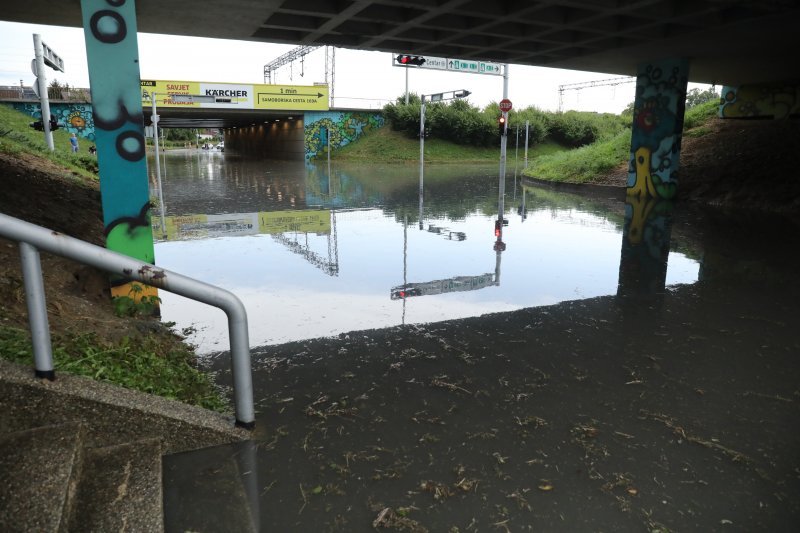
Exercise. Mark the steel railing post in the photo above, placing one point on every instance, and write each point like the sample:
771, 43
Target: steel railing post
37, 311
32, 238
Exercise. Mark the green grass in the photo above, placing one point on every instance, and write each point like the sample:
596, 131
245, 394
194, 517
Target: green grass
388, 146
154, 364
16, 136
700, 114
583, 164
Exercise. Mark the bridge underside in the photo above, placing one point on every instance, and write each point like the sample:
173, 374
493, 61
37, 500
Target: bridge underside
218, 118
726, 42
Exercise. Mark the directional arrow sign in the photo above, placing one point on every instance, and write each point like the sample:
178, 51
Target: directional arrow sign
318, 95
471, 66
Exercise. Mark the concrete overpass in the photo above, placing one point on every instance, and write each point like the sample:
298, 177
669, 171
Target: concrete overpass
726, 41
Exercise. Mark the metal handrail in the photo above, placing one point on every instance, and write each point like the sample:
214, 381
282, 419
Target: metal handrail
33, 238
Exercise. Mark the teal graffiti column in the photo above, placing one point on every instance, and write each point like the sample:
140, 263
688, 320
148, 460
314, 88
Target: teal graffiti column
652, 177
657, 127
112, 51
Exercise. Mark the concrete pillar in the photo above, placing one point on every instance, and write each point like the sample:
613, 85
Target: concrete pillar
652, 177
657, 127
113, 57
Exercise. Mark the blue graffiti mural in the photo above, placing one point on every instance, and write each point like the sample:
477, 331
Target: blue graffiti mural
343, 127
76, 117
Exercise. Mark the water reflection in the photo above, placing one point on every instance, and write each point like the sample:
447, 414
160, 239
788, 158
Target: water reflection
313, 251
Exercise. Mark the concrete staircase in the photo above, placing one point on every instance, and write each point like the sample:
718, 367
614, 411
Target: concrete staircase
54, 482
79, 455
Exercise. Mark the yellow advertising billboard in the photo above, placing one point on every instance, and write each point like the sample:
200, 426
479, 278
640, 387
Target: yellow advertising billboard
235, 95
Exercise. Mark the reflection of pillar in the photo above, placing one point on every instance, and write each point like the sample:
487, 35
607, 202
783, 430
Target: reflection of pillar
657, 127
645, 247
112, 53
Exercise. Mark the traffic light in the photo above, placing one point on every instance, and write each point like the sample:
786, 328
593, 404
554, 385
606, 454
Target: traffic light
407, 60
37, 125
53, 123
501, 125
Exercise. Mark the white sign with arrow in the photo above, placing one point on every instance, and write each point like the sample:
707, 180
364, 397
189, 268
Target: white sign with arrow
470, 66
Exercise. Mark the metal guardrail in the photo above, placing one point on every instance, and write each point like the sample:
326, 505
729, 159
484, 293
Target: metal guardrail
57, 94
33, 238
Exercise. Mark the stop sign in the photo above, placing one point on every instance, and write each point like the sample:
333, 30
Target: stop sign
505, 105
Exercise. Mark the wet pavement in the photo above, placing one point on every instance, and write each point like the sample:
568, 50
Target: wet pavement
666, 400
584, 416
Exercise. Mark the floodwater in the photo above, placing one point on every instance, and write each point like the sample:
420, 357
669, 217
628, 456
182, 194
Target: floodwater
593, 366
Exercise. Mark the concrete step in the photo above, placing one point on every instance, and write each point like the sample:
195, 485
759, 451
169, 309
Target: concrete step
39, 469
120, 489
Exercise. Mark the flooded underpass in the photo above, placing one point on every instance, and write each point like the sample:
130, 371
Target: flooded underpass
553, 383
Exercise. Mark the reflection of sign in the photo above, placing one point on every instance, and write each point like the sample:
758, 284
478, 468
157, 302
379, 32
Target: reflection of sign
456, 284
185, 227
177, 93
316, 221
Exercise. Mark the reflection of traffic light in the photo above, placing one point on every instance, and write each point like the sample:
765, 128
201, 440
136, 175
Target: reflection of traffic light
498, 227
406, 60
401, 293
501, 125
37, 125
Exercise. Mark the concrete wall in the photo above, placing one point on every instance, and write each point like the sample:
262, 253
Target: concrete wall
74, 117
275, 140
767, 100
343, 127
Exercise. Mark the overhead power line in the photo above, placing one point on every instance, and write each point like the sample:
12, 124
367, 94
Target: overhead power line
588, 84
292, 55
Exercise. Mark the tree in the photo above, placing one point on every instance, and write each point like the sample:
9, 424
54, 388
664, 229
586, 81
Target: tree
696, 97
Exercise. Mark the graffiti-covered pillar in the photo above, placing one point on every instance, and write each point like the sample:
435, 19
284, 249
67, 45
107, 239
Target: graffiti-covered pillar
652, 177
657, 126
109, 28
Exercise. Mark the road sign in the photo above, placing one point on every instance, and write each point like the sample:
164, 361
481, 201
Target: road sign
51, 59
505, 105
470, 66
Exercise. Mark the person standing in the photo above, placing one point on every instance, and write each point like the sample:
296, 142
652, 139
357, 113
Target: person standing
73, 141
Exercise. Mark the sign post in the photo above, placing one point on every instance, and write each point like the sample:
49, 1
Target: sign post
158, 168
44, 56
505, 107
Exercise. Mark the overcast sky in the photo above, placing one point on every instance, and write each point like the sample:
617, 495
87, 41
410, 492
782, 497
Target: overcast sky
362, 79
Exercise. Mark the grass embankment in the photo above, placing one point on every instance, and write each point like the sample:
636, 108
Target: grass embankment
394, 147
16, 136
587, 163
154, 363
133, 351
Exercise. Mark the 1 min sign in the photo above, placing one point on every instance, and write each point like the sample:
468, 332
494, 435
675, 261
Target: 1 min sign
505, 105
